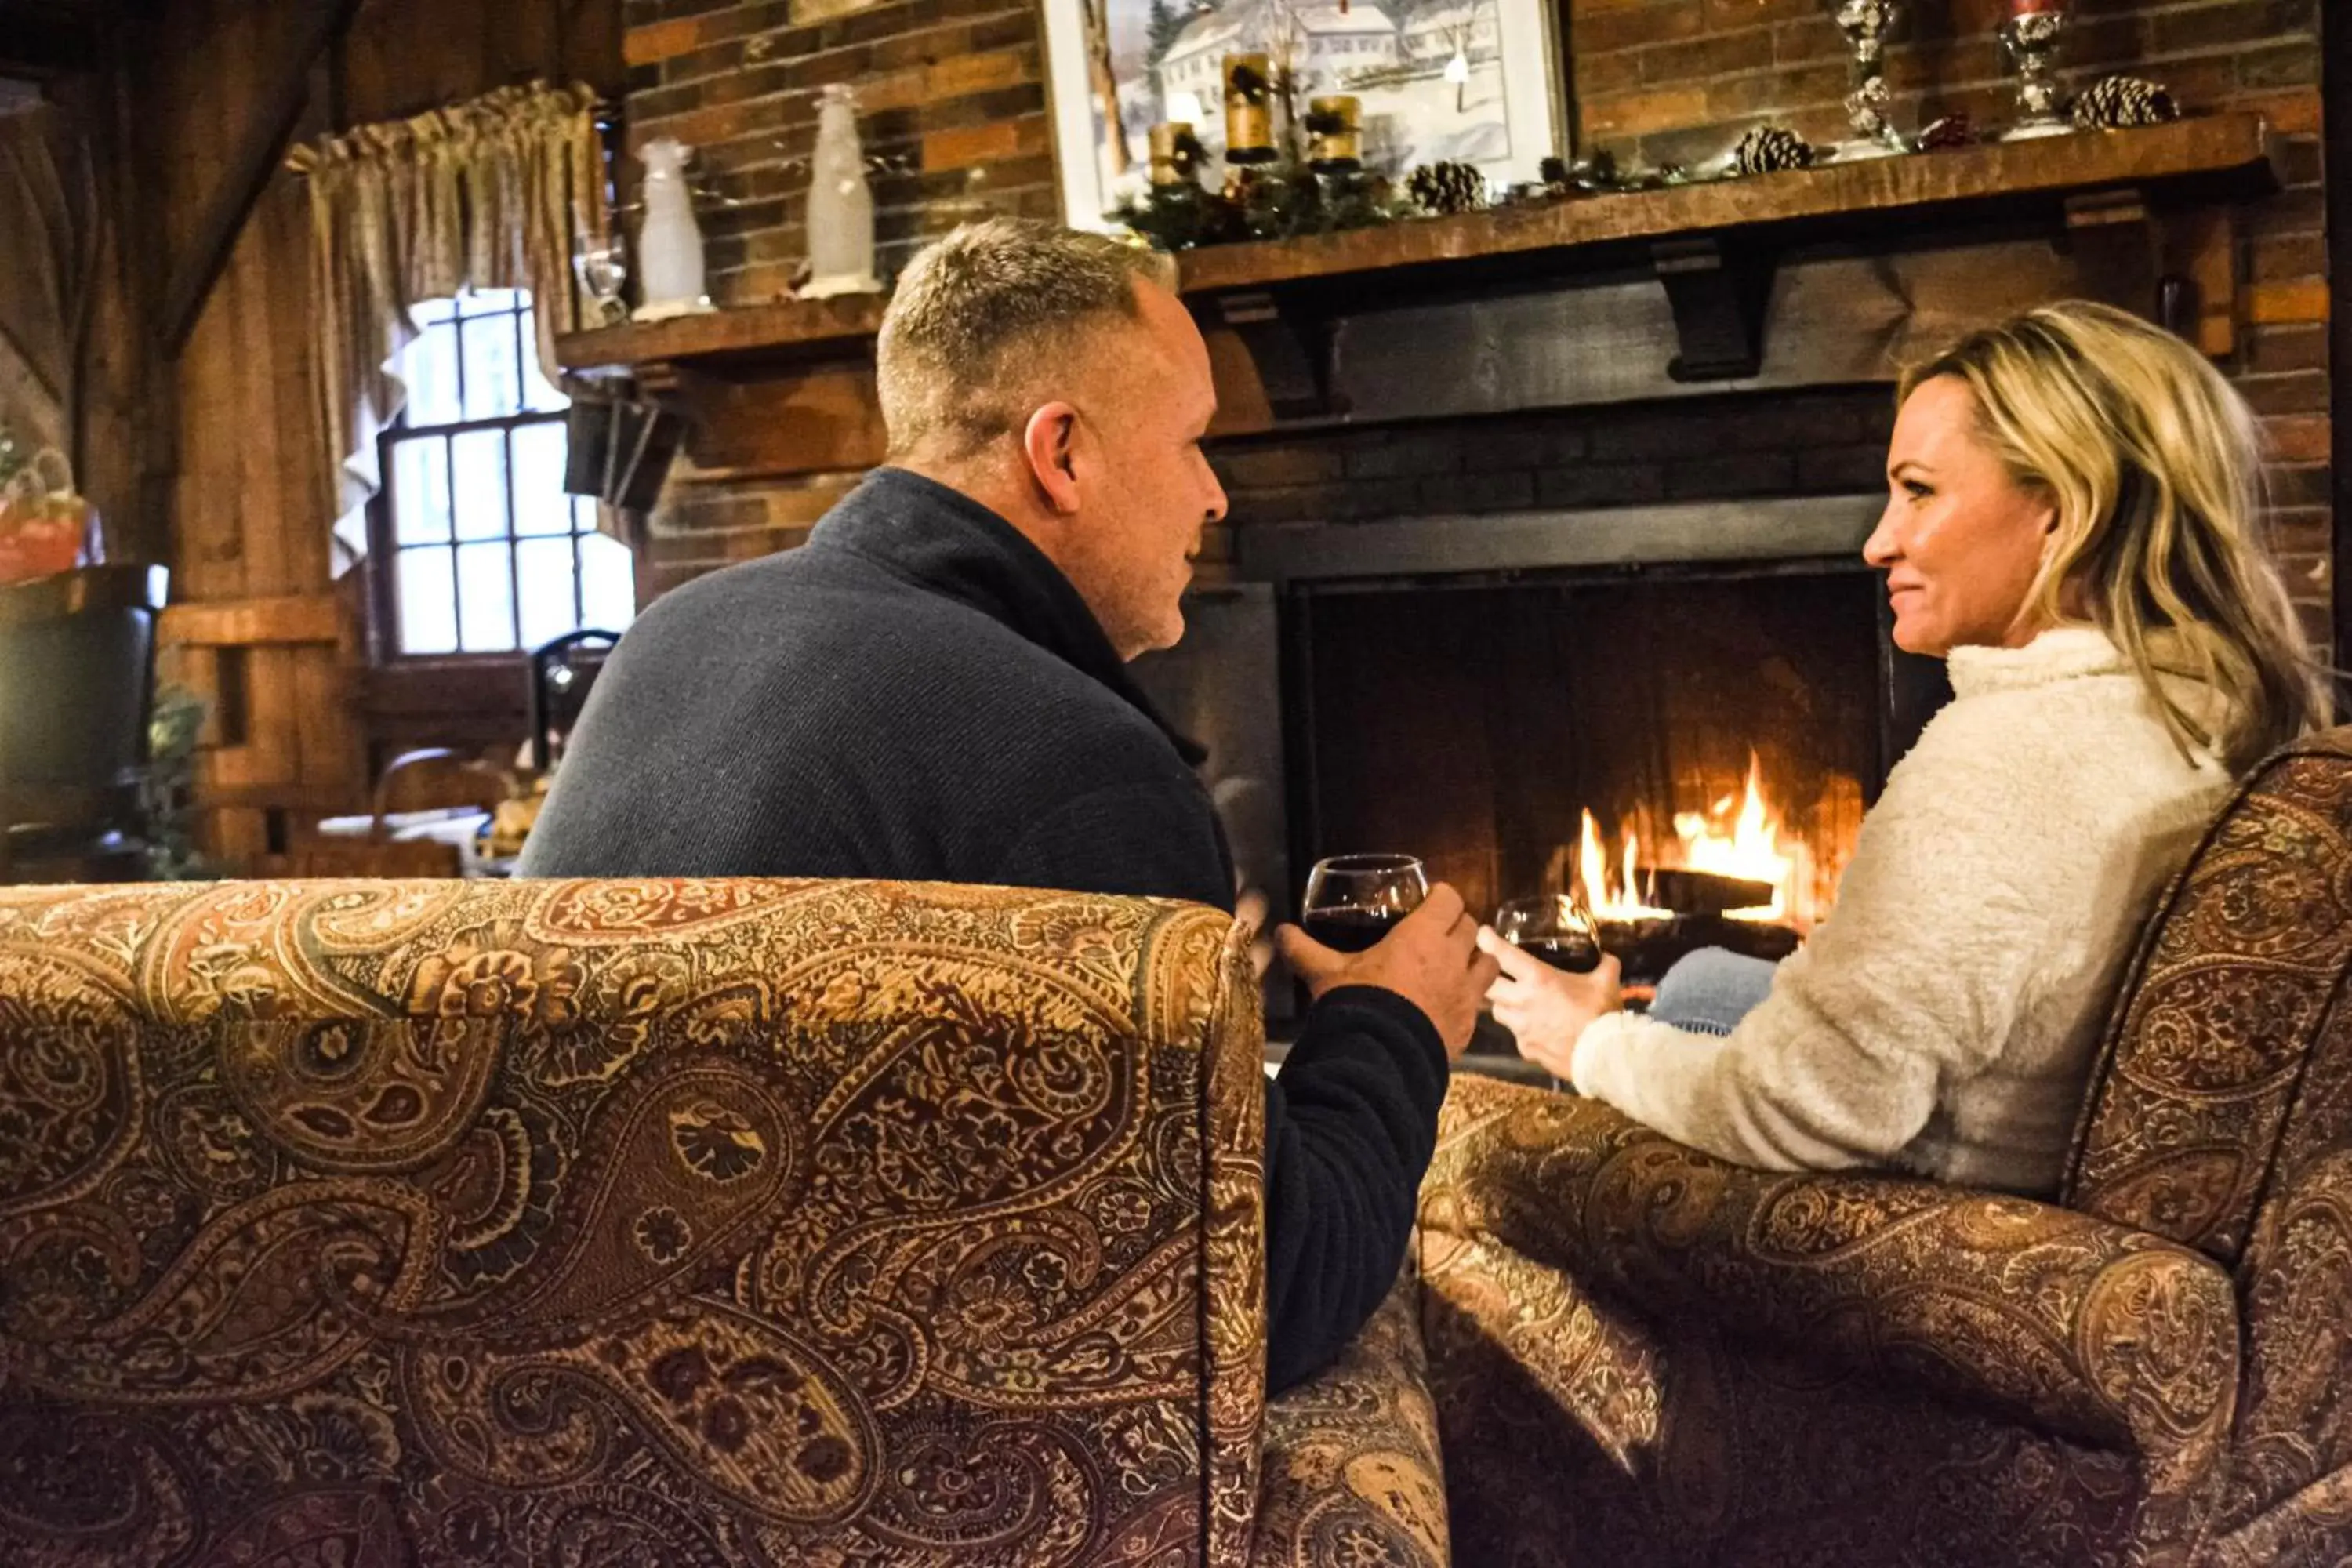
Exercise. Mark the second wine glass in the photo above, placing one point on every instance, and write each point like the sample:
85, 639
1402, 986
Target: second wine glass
1555, 928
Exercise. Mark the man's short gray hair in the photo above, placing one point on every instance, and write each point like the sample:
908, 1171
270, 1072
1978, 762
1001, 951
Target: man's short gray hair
980, 315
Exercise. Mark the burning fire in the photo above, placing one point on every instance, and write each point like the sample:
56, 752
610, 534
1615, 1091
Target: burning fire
1737, 836
1608, 899
1751, 850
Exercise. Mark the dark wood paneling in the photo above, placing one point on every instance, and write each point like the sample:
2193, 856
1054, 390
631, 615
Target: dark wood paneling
245, 487
404, 57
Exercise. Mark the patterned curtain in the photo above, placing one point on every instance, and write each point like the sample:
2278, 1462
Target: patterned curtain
488, 194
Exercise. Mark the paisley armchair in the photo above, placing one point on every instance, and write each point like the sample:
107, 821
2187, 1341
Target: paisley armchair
1642, 1355
633, 1223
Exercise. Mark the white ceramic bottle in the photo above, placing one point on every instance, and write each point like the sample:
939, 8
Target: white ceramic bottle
670, 245
840, 204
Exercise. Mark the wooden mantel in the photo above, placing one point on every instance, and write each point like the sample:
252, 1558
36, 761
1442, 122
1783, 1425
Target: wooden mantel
1684, 231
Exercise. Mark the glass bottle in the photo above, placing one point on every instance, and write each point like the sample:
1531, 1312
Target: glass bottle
669, 243
840, 203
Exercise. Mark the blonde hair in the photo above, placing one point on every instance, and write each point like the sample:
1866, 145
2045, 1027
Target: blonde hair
2154, 465
981, 317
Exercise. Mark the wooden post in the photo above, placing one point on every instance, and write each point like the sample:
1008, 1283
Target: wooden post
2336, 100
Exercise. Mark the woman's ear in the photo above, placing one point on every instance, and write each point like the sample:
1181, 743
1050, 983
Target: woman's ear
1046, 445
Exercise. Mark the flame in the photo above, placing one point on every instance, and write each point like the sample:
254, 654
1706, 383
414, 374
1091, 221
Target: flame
1737, 836
1607, 898
1751, 849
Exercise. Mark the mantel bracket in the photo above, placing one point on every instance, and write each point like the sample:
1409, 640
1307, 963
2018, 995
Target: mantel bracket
1718, 294
2114, 235
1289, 345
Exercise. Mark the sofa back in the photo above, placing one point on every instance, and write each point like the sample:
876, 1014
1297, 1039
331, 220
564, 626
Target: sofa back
2222, 1118
692, 1222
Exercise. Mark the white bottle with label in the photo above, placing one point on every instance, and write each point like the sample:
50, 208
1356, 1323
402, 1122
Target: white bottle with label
840, 204
669, 243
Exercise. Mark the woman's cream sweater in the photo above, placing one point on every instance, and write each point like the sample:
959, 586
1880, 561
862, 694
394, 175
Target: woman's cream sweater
1945, 1017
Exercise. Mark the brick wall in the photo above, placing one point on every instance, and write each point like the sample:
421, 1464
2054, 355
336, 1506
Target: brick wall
955, 86
952, 89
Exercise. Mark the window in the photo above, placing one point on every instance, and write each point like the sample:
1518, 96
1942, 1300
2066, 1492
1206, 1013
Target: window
479, 550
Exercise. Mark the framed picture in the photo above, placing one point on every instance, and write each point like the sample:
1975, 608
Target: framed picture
1473, 80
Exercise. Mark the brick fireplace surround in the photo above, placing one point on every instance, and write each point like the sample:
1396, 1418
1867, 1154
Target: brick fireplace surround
954, 87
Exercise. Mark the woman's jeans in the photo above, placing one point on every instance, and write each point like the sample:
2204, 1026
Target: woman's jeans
1709, 990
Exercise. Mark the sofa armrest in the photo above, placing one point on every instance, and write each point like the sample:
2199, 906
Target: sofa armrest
1233, 1245
2090, 1330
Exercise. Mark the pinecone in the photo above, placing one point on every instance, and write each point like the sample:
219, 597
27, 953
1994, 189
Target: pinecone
1768, 148
1951, 131
1444, 188
2116, 103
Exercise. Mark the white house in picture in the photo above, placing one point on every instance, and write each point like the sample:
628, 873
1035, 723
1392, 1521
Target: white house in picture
1339, 42
1434, 37
1329, 43
1195, 62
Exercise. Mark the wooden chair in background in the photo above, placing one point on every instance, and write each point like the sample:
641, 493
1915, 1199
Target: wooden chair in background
432, 779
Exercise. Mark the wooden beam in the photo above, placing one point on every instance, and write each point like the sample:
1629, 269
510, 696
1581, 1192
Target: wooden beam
255, 159
2335, 101
247, 623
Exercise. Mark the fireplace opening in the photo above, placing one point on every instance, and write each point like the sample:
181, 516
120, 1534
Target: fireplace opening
1528, 702
1547, 736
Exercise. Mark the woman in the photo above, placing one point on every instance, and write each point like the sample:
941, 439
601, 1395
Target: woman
2072, 523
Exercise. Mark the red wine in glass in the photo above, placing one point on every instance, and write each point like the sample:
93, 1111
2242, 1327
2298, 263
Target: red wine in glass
1554, 927
1351, 929
1354, 900
1578, 956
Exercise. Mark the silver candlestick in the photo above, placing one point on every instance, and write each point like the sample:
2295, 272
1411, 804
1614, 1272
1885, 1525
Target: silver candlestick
1867, 24
2031, 39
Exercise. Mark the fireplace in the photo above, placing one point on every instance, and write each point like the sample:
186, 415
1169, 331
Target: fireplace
1470, 688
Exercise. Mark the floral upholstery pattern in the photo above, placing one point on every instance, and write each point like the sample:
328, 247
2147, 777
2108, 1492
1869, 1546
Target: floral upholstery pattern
1354, 1478
1641, 1354
2226, 1003
730, 1222
1788, 1335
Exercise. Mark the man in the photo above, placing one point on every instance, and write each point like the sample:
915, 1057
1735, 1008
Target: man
934, 688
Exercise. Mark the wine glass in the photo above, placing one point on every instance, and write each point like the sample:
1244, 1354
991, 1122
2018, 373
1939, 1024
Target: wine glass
1554, 927
1353, 901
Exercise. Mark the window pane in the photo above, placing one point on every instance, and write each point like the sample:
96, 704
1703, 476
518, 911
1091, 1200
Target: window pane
540, 505
429, 366
420, 490
492, 390
540, 394
425, 312
428, 602
607, 583
489, 301
543, 572
481, 459
486, 597
583, 514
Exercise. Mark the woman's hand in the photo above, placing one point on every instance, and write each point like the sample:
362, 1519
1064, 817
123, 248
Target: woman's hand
1546, 1008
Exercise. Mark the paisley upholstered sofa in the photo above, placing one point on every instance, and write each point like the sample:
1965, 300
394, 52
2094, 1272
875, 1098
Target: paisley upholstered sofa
671, 1223
1641, 1355
744, 1222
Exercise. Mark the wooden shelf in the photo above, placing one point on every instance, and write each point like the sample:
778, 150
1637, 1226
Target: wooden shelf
793, 325
2214, 156
2226, 154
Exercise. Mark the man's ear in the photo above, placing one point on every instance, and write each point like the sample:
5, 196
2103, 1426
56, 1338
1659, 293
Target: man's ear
1048, 443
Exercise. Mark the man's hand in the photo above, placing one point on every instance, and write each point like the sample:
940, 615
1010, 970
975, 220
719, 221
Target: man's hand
1431, 959
1546, 1008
